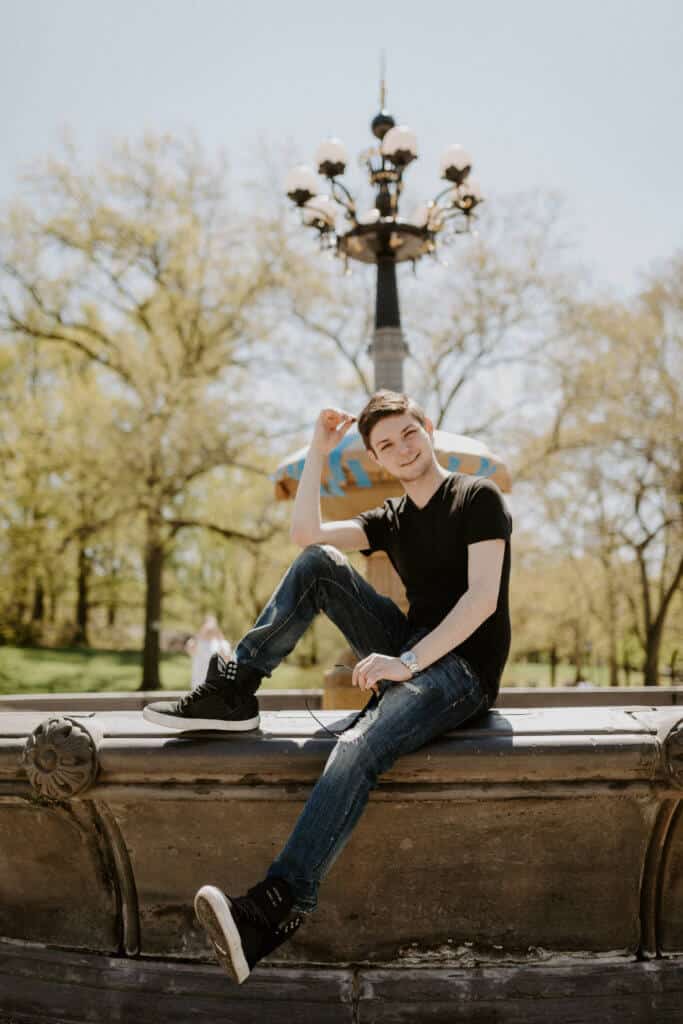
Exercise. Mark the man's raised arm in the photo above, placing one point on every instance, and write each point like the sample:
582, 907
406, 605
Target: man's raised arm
307, 527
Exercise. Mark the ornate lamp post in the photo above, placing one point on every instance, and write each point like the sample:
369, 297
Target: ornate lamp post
379, 234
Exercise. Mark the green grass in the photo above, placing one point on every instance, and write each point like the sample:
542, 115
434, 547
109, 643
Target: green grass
44, 670
526, 673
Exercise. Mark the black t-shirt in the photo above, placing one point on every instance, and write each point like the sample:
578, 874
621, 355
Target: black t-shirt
428, 548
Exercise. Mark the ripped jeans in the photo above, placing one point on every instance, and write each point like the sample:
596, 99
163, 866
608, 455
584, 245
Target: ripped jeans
402, 719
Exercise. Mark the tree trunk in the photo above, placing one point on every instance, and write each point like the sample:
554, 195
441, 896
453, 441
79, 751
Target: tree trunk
613, 668
52, 598
113, 593
82, 599
651, 666
578, 656
553, 665
154, 563
38, 612
613, 637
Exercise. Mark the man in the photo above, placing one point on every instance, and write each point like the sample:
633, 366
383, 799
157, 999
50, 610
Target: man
448, 537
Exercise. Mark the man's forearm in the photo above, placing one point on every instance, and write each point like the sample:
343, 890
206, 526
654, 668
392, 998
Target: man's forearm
463, 619
306, 518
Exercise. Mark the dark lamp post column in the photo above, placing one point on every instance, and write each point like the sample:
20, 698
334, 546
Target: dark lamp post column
388, 347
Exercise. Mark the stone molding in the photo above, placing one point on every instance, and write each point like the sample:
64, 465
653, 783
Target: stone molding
60, 757
673, 753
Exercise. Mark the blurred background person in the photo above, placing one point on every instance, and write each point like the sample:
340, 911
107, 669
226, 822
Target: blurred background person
208, 640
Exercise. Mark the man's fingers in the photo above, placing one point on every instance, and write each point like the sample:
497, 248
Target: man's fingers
361, 675
364, 683
333, 416
344, 423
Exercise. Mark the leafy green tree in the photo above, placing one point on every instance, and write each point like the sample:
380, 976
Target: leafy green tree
142, 268
610, 464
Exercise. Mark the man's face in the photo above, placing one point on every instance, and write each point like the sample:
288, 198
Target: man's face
402, 446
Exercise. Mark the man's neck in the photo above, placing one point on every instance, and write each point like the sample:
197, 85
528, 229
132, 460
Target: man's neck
423, 487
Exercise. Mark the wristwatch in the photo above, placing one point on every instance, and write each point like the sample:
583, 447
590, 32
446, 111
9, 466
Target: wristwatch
410, 661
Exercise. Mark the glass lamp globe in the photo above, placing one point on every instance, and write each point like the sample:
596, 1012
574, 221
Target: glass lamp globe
456, 163
421, 215
301, 184
331, 158
320, 211
399, 145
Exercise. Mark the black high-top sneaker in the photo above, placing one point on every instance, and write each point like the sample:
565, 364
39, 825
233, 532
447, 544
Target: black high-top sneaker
244, 929
224, 701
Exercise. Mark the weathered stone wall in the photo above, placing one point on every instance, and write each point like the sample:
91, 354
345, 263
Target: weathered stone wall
539, 847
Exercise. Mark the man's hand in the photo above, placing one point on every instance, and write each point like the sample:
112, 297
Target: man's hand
370, 670
330, 428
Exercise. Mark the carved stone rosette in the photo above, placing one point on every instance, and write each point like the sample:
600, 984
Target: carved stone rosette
60, 757
673, 752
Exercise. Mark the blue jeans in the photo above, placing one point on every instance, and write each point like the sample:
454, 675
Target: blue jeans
403, 718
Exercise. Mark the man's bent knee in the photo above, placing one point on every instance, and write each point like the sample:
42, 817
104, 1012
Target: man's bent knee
323, 553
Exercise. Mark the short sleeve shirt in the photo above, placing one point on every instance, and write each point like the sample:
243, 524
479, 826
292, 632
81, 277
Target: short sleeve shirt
428, 548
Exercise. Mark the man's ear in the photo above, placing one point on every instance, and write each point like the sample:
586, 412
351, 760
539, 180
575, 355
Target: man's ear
372, 455
429, 426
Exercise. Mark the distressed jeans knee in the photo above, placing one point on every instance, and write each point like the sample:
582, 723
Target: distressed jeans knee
322, 554
321, 578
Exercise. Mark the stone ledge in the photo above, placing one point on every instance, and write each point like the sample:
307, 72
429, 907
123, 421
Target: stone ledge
518, 746
49, 986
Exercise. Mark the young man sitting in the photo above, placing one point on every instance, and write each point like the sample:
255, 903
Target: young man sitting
430, 671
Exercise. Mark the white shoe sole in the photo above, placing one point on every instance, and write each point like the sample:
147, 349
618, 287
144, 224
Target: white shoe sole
212, 908
189, 724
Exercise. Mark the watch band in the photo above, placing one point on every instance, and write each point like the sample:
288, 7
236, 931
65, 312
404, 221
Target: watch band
409, 659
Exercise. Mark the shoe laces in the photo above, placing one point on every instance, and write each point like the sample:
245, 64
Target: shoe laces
204, 689
227, 677
290, 926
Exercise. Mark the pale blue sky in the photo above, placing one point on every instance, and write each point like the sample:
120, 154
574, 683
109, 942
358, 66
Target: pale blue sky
581, 97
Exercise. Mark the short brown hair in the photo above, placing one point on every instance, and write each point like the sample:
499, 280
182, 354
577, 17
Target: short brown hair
386, 403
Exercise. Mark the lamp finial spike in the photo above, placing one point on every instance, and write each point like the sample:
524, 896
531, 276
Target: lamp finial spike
382, 79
